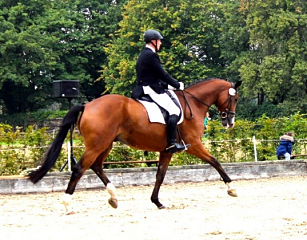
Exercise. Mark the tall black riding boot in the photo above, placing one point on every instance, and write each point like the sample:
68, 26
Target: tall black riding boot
172, 145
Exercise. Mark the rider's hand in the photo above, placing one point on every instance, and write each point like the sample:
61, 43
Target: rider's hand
169, 87
181, 86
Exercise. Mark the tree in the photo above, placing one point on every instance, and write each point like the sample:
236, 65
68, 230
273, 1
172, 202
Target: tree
83, 41
191, 47
25, 56
234, 38
276, 64
50, 40
98, 42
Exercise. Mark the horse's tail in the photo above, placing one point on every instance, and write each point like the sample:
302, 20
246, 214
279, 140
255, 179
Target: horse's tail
54, 151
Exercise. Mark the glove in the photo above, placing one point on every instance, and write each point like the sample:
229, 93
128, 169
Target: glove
169, 87
181, 87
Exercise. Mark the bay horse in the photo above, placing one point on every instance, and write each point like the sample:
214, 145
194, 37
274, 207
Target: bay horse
113, 117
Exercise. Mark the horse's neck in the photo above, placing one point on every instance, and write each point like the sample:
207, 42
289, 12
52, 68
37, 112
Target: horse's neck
207, 95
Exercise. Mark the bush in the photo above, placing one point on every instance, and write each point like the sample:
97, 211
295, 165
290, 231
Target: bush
23, 150
34, 118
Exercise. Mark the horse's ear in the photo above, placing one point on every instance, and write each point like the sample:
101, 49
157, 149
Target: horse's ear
238, 84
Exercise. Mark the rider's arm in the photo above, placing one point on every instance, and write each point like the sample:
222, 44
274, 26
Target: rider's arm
162, 74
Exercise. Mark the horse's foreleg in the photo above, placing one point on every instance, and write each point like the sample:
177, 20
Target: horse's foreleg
204, 155
231, 190
164, 160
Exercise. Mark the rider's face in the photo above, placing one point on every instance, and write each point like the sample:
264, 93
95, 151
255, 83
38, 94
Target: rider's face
159, 43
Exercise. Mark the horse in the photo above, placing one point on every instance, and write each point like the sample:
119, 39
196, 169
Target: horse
114, 117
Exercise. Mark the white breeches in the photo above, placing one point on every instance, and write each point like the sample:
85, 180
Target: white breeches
164, 101
287, 156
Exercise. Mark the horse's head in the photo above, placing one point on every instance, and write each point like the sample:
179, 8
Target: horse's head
226, 104
221, 93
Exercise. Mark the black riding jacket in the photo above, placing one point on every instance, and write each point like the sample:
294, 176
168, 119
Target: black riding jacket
150, 72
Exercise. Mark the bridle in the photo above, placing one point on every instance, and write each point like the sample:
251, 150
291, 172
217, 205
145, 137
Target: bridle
226, 116
188, 105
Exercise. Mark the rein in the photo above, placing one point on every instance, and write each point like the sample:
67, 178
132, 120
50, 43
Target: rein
222, 114
188, 105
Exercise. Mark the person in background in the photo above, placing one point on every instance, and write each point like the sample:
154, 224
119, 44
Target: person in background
207, 118
285, 146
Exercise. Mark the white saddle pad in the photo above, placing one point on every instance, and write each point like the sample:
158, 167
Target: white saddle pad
154, 112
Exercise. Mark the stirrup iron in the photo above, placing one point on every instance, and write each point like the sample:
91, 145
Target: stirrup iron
186, 146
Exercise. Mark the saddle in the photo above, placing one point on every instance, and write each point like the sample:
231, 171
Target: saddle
155, 112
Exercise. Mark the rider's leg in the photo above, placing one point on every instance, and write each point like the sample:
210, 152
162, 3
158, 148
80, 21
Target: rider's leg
167, 103
172, 145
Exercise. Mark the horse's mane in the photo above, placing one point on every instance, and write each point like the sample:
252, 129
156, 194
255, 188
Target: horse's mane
205, 80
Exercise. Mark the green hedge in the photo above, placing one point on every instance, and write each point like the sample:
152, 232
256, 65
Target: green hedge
20, 151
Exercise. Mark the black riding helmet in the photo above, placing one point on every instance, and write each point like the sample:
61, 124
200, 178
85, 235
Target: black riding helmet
150, 35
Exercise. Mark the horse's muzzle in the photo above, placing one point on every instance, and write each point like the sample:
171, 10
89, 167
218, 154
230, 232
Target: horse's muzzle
228, 119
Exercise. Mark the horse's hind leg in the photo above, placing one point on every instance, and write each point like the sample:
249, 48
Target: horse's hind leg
77, 172
109, 186
97, 168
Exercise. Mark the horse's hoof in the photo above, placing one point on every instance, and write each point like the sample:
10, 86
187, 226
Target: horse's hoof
113, 202
161, 207
70, 213
232, 192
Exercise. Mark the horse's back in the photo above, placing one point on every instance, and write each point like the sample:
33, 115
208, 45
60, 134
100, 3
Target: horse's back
106, 107
111, 110
119, 118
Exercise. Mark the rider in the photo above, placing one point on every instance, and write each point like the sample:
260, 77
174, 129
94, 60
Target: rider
152, 80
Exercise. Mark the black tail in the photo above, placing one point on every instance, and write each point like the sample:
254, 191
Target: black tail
54, 151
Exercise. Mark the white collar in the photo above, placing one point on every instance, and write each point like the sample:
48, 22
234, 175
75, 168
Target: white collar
150, 47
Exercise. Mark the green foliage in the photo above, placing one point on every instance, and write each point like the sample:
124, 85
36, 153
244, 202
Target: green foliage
20, 151
190, 50
48, 40
121, 153
26, 119
236, 145
26, 56
262, 43
275, 66
250, 110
